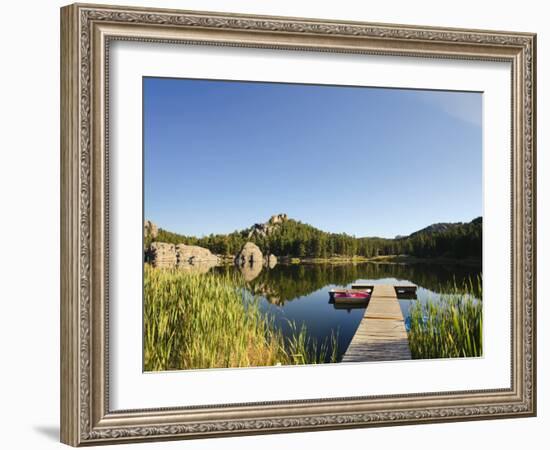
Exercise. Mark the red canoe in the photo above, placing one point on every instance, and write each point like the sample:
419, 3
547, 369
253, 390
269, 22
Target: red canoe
351, 296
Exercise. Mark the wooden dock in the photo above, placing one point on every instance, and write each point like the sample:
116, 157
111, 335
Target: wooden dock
381, 335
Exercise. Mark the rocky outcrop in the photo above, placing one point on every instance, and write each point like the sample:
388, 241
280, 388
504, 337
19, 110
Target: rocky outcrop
150, 229
193, 254
278, 218
249, 254
186, 257
258, 229
264, 229
162, 255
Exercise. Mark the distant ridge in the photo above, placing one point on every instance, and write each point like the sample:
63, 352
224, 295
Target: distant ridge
283, 236
442, 227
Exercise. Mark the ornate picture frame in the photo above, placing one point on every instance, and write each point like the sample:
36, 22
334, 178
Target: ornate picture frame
87, 32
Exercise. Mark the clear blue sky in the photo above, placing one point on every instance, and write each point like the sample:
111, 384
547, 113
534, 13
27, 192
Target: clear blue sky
222, 155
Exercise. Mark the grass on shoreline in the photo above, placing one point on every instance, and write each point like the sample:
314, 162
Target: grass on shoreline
450, 328
391, 259
197, 321
388, 259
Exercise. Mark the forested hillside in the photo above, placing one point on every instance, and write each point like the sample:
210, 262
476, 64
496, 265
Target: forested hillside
289, 237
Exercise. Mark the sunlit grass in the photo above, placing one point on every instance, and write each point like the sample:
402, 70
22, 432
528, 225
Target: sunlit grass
195, 321
449, 328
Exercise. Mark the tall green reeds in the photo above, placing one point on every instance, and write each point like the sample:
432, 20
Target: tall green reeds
196, 321
305, 350
449, 328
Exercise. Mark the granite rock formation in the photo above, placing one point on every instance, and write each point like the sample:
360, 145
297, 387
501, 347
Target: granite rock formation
150, 229
162, 255
264, 229
193, 254
249, 254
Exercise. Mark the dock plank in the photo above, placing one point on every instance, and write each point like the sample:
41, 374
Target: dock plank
381, 335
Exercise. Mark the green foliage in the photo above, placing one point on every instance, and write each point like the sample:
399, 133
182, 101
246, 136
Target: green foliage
147, 241
194, 321
302, 348
458, 240
296, 239
286, 282
220, 244
449, 328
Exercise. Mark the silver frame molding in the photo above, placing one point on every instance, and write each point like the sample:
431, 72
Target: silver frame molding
86, 32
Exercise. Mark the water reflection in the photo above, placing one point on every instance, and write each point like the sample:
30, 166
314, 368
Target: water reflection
287, 282
250, 270
348, 306
201, 266
301, 293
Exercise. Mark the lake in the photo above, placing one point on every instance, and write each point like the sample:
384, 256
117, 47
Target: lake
300, 292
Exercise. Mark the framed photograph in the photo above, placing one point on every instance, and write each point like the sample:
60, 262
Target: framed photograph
275, 224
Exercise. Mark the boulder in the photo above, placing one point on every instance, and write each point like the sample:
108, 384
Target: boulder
161, 254
194, 255
150, 229
249, 254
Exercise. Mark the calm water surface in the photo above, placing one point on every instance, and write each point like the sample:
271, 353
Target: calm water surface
300, 293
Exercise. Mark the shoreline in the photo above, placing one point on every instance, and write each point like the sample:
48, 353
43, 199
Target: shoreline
385, 259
